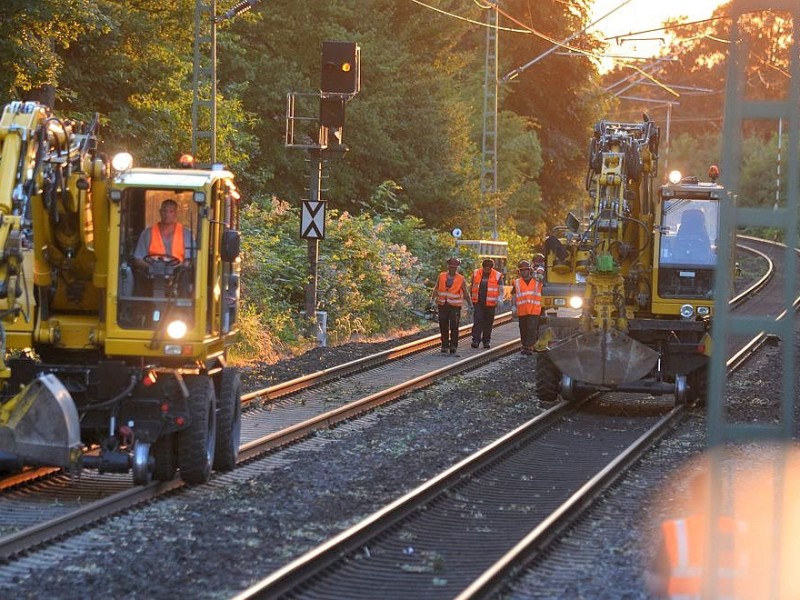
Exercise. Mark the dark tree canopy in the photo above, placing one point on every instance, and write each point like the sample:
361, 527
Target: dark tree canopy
416, 126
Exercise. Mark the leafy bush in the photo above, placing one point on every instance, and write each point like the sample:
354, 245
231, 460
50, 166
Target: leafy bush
374, 277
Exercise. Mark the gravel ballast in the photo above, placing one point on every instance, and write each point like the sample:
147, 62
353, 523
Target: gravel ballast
216, 540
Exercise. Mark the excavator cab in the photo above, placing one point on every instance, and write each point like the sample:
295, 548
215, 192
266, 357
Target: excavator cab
183, 305
686, 240
150, 279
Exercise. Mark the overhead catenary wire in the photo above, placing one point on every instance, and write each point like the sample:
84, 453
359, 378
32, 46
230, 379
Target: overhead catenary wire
468, 20
527, 29
514, 73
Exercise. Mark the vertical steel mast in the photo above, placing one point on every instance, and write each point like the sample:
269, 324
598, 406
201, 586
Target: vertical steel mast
489, 145
739, 109
204, 82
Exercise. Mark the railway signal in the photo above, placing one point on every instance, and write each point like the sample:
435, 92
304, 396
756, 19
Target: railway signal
340, 81
331, 113
341, 68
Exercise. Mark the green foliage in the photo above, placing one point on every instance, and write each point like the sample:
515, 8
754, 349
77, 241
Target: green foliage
417, 122
692, 155
414, 133
519, 248
760, 172
33, 38
374, 275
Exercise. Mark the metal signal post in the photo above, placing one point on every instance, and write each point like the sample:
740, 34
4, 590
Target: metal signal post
322, 136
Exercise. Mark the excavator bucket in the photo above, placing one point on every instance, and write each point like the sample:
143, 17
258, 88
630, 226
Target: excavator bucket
603, 357
39, 426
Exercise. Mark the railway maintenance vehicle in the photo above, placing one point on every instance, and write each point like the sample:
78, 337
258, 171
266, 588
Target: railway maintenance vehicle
105, 364
637, 274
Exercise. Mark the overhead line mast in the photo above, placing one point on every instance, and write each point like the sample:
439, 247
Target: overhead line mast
204, 79
489, 144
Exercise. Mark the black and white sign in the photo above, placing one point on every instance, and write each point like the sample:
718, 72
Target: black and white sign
312, 220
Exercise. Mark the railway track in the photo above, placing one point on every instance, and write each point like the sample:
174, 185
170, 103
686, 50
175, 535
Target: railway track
327, 403
453, 537
436, 540
45, 504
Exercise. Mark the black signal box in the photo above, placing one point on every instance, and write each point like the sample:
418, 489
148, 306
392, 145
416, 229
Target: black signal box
341, 68
331, 112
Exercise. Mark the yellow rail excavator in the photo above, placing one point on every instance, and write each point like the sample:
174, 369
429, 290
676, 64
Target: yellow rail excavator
110, 360
628, 294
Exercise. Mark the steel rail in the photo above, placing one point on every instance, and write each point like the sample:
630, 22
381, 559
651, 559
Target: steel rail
30, 537
282, 389
565, 515
368, 403
317, 559
306, 566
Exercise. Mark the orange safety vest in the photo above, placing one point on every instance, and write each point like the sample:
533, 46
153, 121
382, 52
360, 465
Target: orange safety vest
157, 242
452, 295
492, 288
528, 297
685, 542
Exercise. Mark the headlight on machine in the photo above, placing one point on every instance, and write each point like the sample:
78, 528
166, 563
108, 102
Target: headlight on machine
122, 161
687, 311
576, 302
176, 329
703, 311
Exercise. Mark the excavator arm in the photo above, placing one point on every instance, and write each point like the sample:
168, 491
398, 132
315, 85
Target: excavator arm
621, 166
48, 174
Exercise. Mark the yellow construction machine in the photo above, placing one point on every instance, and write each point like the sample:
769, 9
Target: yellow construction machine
110, 362
628, 294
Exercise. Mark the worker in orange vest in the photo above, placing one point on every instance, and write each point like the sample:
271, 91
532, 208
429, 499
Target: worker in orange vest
166, 241
680, 568
487, 289
526, 295
450, 295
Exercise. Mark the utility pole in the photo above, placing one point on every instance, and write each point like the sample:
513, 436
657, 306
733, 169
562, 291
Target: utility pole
489, 145
204, 75
204, 82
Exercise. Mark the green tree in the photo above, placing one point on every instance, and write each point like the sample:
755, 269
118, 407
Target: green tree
559, 94
697, 71
33, 38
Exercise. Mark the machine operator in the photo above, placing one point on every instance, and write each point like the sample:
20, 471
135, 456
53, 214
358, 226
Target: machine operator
164, 240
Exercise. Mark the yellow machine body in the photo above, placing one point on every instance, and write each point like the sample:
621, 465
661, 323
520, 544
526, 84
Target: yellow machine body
628, 294
102, 350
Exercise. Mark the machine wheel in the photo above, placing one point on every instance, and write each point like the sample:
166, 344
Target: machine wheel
142, 475
681, 390
165, 453
567, 388
196, 443
229, 419
547, 379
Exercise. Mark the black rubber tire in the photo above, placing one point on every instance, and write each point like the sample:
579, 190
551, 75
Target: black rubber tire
196, 443
229, 419
165, 454
547, 379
